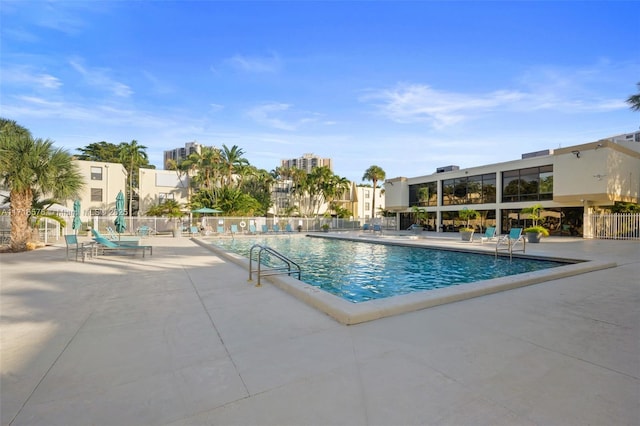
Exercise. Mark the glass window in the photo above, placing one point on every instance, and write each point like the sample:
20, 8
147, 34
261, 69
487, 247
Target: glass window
530, 184
96, 194
96, 173
424, 194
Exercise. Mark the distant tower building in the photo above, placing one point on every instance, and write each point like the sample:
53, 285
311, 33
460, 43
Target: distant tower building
180, 154
308, 162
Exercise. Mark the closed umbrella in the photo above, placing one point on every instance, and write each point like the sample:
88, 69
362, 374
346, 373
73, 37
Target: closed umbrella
75, 225
120, 223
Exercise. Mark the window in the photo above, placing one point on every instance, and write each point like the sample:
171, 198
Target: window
367, 207
96, 173
96, 194
531, 184
367, 194
424, 194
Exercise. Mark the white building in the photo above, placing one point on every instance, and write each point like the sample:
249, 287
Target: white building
567, 182
307, 162
179, 154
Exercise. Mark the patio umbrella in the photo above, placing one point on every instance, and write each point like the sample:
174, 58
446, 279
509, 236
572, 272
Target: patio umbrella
75, 225
120, 223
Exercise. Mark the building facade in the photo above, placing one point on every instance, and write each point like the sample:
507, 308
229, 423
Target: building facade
307, 162
567, 182
180, 154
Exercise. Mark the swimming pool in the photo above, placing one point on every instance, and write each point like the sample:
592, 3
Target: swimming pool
363, 271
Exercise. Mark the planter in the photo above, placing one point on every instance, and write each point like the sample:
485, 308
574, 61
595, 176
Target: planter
466, 235
177, 233
534, 237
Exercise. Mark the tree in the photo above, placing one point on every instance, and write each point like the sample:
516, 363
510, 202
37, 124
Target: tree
634, 100
132, 157
231, 162
374, 174
100, 151
30, 167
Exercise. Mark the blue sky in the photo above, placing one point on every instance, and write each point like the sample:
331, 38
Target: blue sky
407, 86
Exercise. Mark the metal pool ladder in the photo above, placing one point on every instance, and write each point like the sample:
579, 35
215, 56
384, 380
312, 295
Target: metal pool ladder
286, 268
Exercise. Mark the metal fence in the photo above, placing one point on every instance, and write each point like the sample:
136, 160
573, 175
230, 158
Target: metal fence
620, 226
227, 224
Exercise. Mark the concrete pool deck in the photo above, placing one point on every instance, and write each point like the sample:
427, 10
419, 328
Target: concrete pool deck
181, 338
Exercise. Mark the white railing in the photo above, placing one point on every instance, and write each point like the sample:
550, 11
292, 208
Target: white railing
619, 226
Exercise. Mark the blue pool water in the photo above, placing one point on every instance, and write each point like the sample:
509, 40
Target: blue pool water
358, 271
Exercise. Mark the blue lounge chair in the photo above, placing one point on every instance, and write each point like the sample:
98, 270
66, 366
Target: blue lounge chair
234, 229
252, 229
489, 235
220, 229
194, 230
276, 228
144, 231
288, 228
265, 229
377, 228
106, 245
121, 240
511, 240
366, 227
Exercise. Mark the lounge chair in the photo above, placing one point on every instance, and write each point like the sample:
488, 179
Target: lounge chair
144, 231
366, 227
510, 240
81, 249
194, 230
377, 228
265, 229
252, 229
106, 245
489, 235
288, 228
234, 229
276, 228
131, 241
220, 229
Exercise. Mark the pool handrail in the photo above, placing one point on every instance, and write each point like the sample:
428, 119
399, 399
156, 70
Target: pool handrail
285, 269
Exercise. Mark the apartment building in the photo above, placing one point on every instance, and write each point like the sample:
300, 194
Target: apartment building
307, 162
179, 154
567, 182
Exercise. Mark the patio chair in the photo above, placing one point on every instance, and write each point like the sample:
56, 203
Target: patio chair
107, 245
81, 249
194, 230
144, 231
288, 228
489, 235
366, 227
220, 229
265, 229
252, 229
276, 227
377, 228
510, 240
121, 240
234, 229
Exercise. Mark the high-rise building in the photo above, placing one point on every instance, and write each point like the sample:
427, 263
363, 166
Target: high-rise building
307, 162
180, 154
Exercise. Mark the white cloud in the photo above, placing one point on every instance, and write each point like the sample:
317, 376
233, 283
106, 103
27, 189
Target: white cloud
256, 64
420, 103
272, 115
25, 76
99, 78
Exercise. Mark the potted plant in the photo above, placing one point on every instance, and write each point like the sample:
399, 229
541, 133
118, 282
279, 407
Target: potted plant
325, 227
534, 232
419, 216
466, 232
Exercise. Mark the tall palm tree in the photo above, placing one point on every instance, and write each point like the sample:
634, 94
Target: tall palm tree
634, 100
374, 174
132, 156
30, 167
232, 161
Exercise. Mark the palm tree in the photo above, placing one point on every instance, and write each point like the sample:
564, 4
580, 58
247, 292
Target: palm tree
374, 174
634, 100
30, 167
132, 156
231, 161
